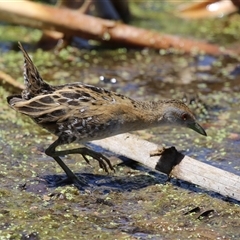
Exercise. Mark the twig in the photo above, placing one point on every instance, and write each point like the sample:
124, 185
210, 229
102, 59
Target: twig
9, 80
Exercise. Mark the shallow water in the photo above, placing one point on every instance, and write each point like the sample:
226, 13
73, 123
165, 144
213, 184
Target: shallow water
134, 202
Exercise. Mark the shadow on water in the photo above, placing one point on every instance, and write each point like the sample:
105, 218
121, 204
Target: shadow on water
104, 184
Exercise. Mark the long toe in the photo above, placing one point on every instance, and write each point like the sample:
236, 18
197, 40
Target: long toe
104, 162
100, 160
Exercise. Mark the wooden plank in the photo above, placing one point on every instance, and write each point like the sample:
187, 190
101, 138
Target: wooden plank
209, 177
189, 169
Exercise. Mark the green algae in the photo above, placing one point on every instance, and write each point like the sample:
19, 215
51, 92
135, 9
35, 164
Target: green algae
12, 33
29, 206
223, 30
129, 204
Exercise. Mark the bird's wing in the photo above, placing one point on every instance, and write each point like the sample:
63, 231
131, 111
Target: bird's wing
67, 102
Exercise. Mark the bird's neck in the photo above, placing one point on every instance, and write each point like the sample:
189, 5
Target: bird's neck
143, 115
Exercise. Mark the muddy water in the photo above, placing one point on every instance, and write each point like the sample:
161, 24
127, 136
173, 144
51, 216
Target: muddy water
134, 202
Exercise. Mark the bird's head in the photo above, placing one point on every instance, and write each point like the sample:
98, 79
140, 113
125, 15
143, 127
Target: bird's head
177, 113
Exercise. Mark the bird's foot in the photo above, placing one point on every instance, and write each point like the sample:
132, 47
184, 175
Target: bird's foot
158, 152
79, 182
103, 161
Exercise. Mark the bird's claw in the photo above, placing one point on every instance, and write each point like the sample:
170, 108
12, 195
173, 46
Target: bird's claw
104, 162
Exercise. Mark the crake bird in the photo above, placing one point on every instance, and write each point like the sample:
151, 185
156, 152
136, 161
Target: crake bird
77, 112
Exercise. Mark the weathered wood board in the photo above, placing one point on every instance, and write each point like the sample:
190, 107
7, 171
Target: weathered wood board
189, 169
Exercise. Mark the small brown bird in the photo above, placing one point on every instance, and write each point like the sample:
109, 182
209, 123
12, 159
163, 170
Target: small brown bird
78, 112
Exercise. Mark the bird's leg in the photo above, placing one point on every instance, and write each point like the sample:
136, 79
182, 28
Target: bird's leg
51, 151
88, 152
78, 182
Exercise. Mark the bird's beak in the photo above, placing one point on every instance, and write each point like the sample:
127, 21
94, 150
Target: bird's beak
196, 127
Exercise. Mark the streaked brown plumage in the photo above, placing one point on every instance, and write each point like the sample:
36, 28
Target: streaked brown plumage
80, 113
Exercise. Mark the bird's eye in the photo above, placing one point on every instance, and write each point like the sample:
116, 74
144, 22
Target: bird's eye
184, 116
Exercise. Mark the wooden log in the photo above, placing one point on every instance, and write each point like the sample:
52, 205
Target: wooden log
74, 23
188, 169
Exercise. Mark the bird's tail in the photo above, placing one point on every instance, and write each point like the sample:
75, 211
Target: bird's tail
34, 84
